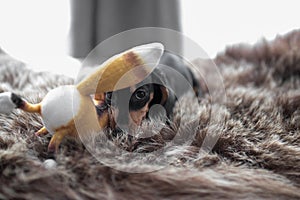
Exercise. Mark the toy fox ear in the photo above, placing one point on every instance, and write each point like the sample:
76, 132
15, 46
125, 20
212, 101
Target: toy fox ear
137, 63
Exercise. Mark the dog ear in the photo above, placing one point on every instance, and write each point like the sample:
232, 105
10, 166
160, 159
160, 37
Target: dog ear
123, 70
164, 94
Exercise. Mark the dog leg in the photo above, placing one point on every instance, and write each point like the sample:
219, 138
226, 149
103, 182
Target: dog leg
43, 131
56, 140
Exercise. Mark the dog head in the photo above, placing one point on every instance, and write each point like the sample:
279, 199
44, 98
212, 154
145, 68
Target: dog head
130, 106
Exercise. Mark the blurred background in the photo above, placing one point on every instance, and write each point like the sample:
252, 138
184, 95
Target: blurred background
38, 32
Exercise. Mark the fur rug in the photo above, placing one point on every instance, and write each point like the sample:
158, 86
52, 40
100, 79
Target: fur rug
257, 155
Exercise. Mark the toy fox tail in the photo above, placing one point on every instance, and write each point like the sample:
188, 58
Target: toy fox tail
10, 101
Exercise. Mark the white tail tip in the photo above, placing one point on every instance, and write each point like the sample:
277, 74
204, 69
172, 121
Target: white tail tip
149, 53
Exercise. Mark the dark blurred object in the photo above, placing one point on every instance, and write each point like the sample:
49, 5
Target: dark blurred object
93, 21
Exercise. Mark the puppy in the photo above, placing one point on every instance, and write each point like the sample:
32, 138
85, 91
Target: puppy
130, 106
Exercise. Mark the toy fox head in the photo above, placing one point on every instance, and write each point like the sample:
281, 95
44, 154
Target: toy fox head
65, 105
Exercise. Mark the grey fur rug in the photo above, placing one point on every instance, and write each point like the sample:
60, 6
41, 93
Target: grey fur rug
256, 157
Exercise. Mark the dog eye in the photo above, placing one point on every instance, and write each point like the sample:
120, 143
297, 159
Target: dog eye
139, 98
140, 94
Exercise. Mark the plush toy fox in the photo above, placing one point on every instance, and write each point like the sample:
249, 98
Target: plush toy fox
69, 110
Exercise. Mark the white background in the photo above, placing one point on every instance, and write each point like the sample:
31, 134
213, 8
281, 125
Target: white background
36, 31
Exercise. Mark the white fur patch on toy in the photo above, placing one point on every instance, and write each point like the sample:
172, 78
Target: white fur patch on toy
60, 106
6, 104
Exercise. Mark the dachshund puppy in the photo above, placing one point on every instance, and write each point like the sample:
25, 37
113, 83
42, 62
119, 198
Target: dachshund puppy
130, 106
